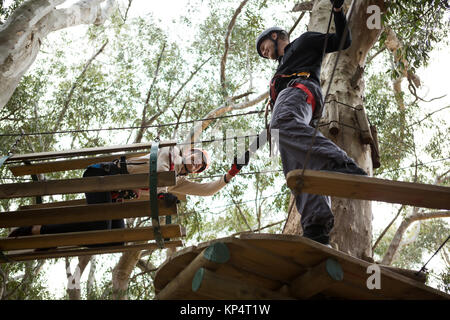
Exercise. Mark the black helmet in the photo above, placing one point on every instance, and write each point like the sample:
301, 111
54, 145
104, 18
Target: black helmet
266, 35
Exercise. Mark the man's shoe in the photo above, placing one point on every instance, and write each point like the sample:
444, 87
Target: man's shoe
317, 233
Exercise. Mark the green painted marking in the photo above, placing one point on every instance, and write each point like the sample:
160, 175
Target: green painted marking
217, 252
334, 270
197, 280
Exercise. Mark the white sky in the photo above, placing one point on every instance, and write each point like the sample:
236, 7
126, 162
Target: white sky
434, 78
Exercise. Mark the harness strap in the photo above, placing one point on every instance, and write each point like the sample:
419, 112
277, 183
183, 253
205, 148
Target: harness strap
310, 99
273, 91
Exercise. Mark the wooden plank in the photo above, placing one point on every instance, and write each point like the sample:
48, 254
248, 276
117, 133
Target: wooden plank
88, 184
86, 151
368, 188
82, 213
79, 202
63, 165
262, 262
88, 237
76, 252
68, 203
210, 284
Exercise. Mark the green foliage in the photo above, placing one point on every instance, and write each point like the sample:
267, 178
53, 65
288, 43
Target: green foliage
420, 25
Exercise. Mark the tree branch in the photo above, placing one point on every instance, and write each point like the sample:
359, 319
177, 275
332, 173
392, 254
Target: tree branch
74, 86
241, 214
387, 228
395, 243
296, 23
147, 100
227, 46
259, 229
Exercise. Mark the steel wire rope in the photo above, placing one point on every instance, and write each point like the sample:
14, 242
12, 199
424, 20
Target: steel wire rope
341, 45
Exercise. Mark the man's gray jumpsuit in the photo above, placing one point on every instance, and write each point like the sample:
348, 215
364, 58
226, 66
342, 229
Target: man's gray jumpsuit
292, 115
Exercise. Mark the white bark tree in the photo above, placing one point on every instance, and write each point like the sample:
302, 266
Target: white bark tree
25, 30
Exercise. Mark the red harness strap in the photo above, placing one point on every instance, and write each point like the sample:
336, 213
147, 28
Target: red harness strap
310, 99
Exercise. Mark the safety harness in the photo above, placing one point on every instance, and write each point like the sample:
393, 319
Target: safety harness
274, 95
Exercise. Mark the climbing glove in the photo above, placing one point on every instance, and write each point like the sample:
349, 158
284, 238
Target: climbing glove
337, 3
239, 163
169, 199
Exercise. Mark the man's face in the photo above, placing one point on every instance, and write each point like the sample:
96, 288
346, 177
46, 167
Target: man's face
267, 47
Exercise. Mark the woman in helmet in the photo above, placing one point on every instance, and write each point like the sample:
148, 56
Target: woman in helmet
183, 162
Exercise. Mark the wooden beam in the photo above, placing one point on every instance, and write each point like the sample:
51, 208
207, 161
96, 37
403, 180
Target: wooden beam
88, 184
211, 257
68, 203
82, 213
76, 252
63, 165
86, 151
415, 275
79, 202
369, 188
88, 237
317, 279
209, 284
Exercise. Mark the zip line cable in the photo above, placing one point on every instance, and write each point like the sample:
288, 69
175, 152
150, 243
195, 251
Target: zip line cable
442, 245
128, 128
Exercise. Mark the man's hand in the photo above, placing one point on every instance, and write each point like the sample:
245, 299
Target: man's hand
169, 199
337, 3
239, 163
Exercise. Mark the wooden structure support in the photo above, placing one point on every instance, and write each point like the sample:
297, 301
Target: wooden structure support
211, 258
369, 188
82, 213
76, 252
89, 237
317, 279
268, 266
215, 286
80, 185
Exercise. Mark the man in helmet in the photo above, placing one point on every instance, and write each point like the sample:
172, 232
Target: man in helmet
297, 101
183, 162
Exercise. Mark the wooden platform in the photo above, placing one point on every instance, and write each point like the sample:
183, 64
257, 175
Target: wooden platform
76, 211
369, 188
267, 266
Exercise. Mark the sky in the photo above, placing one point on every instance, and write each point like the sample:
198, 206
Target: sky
434, 79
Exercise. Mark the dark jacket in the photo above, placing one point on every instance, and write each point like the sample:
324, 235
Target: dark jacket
305, 54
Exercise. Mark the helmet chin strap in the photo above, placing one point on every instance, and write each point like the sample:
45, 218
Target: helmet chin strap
275, 42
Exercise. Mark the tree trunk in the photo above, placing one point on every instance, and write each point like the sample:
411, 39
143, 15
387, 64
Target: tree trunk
22, 34
352, 230
122, 272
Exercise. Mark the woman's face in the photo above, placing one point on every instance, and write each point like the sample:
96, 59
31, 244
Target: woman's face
193, 161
